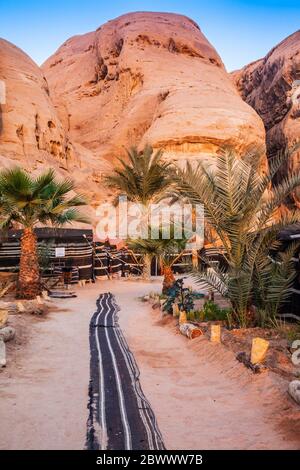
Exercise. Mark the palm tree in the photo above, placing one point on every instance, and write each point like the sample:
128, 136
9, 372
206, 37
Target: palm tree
27, 201
145, 179
164, 249
241, 207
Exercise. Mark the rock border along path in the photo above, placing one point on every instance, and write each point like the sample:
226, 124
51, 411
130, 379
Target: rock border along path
120, 417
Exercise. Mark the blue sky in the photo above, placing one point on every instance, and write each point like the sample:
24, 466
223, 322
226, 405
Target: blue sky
241, 31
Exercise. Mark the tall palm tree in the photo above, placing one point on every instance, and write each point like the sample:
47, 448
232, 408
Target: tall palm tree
144, 177
241, 207
27, 201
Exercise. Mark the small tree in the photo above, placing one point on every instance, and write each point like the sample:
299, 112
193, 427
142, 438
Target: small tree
144, 177
164, 249
28, 201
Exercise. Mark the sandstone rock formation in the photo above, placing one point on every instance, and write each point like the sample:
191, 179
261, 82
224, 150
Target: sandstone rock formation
142, 78
31, 134
148, 78
272, 87
30, 128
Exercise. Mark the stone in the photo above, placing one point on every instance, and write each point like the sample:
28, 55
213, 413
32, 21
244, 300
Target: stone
45, 295
175, 310
182, 317
271, 86
294, 390
259, 350
7, 333
20, 307
215, 333
2, 353
3, 317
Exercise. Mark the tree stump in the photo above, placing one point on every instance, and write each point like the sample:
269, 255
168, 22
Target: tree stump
190, 330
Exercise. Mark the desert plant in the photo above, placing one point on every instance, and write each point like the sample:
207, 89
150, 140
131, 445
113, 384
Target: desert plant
44, 255
241, 206
27, 201
273, 280
211, 312
180, 295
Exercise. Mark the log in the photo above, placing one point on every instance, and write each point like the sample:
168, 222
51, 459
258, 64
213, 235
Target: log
190, 330
215, 333
294, 390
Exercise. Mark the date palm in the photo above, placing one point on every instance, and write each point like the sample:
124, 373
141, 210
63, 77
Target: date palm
28, 201
241, 207
144, 178
166, 251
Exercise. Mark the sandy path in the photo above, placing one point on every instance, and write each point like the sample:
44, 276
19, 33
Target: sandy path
201, 396
43, 400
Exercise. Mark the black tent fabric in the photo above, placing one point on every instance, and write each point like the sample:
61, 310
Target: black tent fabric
288, 235
77, 246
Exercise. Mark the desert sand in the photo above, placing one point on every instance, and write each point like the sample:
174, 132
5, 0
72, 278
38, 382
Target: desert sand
202, 397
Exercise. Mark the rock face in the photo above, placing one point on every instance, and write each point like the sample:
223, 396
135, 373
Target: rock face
30, 129
31, 133
272, 87
142, 78
148, 78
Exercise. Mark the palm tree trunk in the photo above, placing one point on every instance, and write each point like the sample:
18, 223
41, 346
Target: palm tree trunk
29, 275
169, 279
147, 266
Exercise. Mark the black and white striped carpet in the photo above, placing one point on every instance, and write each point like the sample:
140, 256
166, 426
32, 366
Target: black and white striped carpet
120, 417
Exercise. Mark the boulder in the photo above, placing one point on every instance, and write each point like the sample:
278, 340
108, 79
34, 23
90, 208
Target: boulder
2, 353
294, 390
3, 317
7, 333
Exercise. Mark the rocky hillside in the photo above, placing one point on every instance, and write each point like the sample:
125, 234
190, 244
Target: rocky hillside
31, 133
148, 77
272, 87
30, 129
141, 78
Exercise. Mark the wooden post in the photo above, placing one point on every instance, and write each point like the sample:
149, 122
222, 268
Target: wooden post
215, 333
259, 350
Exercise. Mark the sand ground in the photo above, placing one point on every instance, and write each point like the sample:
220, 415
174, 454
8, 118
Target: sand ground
202, 397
